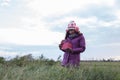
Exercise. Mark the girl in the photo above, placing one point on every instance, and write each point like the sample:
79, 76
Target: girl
72, 45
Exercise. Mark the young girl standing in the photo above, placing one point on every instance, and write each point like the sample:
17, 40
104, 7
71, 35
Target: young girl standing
72, 46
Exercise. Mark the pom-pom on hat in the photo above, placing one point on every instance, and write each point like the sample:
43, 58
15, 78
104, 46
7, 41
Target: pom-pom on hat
72, 25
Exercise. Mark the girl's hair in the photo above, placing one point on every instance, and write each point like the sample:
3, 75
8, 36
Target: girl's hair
67, 34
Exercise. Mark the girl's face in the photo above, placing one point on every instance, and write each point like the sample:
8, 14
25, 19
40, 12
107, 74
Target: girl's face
71, 31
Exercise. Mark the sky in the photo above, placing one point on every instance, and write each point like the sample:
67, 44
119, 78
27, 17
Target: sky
37, 26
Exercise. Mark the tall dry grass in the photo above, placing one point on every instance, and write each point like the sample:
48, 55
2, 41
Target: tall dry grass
44, 69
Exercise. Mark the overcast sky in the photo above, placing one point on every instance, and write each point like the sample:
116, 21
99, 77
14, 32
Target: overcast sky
38, 26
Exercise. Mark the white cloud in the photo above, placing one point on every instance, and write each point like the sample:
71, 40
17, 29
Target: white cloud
90, 22
5, 54
78, 20
4, 48
32, 30
5, 2
57, 7
30, 37
113, 45
117, 13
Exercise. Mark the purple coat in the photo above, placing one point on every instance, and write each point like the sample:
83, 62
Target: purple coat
78, 46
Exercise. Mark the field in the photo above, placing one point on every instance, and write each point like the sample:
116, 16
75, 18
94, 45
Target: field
44, 69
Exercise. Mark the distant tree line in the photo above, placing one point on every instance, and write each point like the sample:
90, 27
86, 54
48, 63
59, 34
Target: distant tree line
103, 60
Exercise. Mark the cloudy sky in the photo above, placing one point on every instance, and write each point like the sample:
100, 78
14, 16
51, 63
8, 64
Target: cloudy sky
37, 27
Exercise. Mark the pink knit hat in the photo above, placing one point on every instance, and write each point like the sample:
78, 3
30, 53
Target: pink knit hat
72, 25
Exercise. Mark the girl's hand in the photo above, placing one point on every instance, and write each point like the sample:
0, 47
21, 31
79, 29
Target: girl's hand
60, 45
69, 50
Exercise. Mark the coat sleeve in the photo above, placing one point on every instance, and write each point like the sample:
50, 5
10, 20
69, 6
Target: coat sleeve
82, 45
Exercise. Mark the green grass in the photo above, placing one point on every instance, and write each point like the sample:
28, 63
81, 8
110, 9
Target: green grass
47, 70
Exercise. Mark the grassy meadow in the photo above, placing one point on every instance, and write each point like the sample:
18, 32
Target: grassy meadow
26, 68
